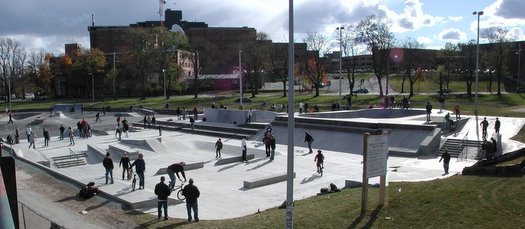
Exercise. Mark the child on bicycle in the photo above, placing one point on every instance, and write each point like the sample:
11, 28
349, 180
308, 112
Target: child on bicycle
319, 159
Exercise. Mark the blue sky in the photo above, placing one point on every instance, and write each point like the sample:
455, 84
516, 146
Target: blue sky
49, 24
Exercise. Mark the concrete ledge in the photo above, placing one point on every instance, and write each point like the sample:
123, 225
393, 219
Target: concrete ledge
230, 160
100, 152
191, 166
266, 180
132, 154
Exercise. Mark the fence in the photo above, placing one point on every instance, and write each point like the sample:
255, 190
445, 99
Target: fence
30, 219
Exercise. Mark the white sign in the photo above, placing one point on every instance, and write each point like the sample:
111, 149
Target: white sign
376, 155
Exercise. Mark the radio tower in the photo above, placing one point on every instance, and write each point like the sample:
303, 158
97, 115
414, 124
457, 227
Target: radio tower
161, 12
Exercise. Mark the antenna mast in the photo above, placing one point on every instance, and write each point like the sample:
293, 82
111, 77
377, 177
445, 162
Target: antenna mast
161, 12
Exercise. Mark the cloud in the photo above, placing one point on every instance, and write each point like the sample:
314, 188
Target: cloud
452, 34
412, 18
424, 40
455, 18
511, 9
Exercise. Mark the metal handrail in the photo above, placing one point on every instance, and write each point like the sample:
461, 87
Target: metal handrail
461, 145
71, 152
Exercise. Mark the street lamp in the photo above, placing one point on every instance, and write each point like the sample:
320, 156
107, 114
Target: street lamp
92, 86
240, 77
164, 81
519, 64
478, 13
340, 61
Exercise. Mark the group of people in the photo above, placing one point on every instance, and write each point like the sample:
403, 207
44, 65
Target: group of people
162, 190
485, 124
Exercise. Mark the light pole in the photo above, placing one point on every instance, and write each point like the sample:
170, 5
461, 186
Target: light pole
519, 64
340, 61
478, 13
240, 78
164, 81
92, 86
291, 121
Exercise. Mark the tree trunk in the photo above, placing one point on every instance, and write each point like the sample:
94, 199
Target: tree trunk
284, 88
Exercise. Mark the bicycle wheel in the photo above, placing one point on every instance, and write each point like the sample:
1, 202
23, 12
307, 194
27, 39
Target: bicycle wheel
180, 196
133, 184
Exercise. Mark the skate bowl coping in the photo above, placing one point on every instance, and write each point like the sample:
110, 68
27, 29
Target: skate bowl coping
265, 180
378, 113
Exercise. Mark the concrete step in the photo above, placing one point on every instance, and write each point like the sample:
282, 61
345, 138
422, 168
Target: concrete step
216, 133
69, 163
68, 157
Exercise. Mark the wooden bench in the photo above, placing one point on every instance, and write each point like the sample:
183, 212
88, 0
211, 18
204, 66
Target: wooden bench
190, 166
266, 180
230, 160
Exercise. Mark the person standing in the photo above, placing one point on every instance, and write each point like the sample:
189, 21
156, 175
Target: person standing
184, 112
118, 121
108, 165
32, 139
71, 136
319, 160
446, 159
97, 117
124, 162
308, 139
46, 137
176, 169
429, 111
62, 129
28, 132
441, 103
497, 125
249, 119
191, 192
195, 113
10, 118
162, 191
272, 145
484, 125
192, 123
457, 111
141, 168
300, 107
243, 149
145, 121
218, 148
153, 120
148, 120
267, 141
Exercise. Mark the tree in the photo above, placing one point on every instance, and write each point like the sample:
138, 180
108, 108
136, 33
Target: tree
448, 58
256, 57
377, 37
10, 52
88, 63
468, 62
411, 63
349, 45
202, 53
317, 44
497, 55
278, 60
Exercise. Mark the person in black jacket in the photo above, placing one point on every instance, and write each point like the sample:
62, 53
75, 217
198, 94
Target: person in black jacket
191, 192
124, 162
162, 191
141, 167
446, 159
108, 164
309, 139
176, 169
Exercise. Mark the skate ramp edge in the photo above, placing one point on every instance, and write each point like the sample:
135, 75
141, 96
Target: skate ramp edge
266, 180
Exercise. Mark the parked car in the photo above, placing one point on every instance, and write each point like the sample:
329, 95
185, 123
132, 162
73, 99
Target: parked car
444, 91
520, 89
360, 90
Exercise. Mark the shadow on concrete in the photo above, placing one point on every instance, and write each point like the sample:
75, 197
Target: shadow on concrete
229, 166
260, 165
311, 178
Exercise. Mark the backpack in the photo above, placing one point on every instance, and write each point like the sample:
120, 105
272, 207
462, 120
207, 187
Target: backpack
334, 188
324, 190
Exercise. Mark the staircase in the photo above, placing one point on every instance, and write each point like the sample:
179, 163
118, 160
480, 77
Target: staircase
456, 146
70, 160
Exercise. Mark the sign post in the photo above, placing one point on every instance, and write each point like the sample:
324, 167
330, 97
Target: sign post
375, 156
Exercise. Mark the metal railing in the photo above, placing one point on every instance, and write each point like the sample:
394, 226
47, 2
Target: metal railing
71, 152
464, 149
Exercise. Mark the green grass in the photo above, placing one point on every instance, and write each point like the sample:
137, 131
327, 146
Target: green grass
456, 202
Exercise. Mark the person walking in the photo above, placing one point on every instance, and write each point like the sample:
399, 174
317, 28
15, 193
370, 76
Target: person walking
308, 139
267, 141
97, 117
429, 111
125, 163
497, 125
162, 191
32, 139
153, 120
446, 159
243, 149
118, 121
145, 120
195, 113
272, 146
191, 192
17, 136
319, 160
484, 125
249, 118
62, 129
46, 137
192, 123
10, 118
71, 135
108, 165
441, 103
141, 168
176, 169
28, 132
218, 148
457, 111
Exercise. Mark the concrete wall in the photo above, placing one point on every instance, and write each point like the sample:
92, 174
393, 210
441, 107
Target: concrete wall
237, 116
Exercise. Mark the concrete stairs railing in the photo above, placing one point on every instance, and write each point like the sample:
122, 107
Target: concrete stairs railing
71, 160
456, 146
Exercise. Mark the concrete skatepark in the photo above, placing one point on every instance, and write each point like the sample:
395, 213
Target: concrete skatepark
222, 184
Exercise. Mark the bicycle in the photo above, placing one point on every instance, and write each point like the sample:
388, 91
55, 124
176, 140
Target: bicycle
134, 182
320, 168
180, 196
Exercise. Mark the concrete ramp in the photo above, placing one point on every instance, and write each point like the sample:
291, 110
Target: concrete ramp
95, 154
230, 160
189, 166
156, 146
117, 151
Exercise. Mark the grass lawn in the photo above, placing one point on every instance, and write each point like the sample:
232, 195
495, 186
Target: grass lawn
456, 202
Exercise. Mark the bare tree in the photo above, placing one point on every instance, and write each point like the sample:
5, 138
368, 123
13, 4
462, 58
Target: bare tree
279, 63
349, 45
256, 56
9, 52
377, 37
468, 63
497, 55
411, 62
448, 58
317, 44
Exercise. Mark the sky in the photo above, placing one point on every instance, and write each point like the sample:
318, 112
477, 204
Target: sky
49, 24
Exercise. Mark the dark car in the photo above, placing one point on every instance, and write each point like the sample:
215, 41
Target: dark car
520, 89
444, 91
360, 90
